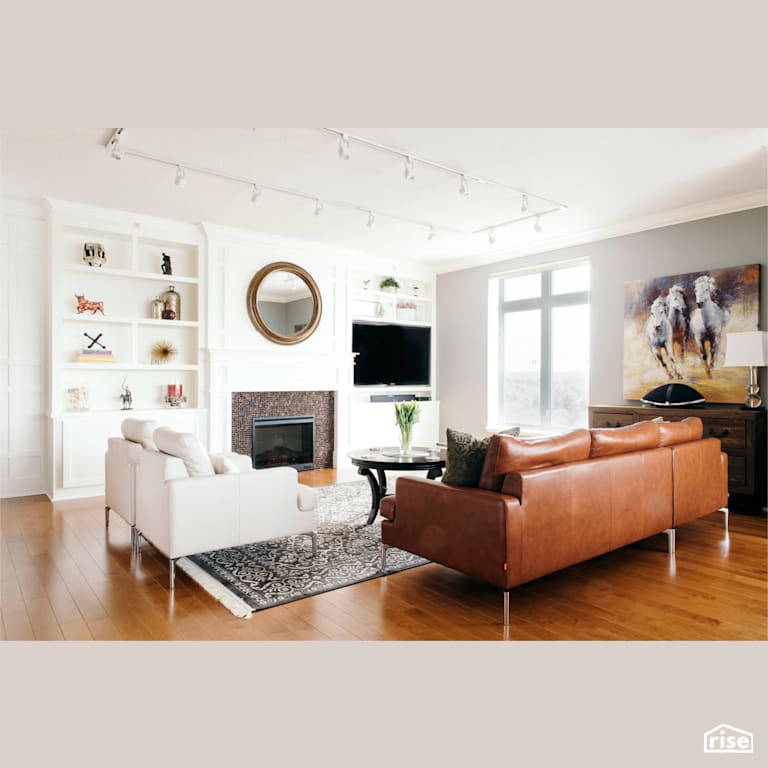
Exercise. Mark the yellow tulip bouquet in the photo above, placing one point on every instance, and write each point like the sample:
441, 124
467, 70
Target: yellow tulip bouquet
406, 415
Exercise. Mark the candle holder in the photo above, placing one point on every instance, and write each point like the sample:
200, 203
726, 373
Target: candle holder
175, 397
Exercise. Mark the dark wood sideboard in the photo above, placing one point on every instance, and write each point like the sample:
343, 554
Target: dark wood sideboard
742, 435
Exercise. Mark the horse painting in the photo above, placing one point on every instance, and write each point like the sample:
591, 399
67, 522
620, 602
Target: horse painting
676, 328
708, 322
677, 314
658, 332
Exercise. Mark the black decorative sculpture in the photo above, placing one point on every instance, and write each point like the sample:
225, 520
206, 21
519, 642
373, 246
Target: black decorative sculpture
166, 265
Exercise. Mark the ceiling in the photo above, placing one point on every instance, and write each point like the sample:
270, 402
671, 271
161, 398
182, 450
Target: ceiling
611, 180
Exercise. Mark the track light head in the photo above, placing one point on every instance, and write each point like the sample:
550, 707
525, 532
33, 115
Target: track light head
117, 150
181, 178
410, 173
524, 204
432, 233
492, 236
371, 219
464, 186
344, 151
537, 224
256, 194
318, 207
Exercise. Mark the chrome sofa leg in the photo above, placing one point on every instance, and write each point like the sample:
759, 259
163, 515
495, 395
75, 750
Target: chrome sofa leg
313, 536
384, 548
137, 546
133, 538
670, 540
106, 517
506, 607
724, 510
172, 569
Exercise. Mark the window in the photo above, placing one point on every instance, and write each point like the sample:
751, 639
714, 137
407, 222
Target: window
543, 347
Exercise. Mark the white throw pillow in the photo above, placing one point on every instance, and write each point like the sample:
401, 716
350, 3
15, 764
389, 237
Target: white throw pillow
223, 465
140, 431
186, 447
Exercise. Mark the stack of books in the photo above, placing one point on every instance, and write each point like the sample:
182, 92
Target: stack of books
96, 356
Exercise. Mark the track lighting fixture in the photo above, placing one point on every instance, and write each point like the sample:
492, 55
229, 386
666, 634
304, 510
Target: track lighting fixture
344, 147
116, 148
409, 170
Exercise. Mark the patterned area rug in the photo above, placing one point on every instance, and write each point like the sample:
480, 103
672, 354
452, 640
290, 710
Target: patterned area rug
257, 576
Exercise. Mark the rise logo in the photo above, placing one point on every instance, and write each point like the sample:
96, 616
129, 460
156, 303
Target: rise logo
727, 739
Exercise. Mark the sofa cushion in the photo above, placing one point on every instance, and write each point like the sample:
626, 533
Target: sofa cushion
685, 431
634, 437
140, 431
464, 458
223, 465
186, 447
512, 454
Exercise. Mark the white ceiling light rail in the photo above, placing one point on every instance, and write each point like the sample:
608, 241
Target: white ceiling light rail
411, 160
116, 147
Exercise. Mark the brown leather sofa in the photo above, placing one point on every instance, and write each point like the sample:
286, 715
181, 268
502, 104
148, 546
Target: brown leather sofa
545, 504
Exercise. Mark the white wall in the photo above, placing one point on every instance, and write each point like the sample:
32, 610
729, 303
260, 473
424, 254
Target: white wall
23, 351
462, 303
241, 359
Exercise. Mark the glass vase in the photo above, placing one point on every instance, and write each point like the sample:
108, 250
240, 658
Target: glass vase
405, 440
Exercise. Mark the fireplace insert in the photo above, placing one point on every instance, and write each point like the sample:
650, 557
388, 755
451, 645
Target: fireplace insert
283, 441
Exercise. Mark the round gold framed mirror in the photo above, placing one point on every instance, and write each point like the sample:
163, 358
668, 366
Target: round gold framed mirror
284, 303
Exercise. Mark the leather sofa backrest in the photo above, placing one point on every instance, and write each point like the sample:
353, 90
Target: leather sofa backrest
511, 454
685, 431
635, 437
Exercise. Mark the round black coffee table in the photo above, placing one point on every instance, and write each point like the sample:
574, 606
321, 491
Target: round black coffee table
381, 459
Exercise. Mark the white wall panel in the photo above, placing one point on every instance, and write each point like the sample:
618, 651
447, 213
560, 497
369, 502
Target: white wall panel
24, 276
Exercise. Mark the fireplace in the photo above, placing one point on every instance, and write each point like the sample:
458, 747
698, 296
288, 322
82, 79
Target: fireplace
283, 441
246, 406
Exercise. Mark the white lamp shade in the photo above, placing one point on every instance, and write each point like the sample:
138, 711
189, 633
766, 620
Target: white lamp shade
749, 348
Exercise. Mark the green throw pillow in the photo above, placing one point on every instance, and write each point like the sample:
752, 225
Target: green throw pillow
464, 458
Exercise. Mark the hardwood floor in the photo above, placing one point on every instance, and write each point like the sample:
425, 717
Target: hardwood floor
64, 577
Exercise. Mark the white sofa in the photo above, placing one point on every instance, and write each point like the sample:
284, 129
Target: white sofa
184, 508
120, 463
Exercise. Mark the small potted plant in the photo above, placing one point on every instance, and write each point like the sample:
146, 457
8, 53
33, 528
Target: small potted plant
389, 284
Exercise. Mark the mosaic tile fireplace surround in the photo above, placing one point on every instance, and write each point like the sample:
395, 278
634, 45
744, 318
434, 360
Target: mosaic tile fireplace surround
321, 405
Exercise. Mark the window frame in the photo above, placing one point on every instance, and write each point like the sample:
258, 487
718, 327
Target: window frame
546, 302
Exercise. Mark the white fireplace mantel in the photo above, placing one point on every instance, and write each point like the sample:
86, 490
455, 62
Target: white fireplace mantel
280, 370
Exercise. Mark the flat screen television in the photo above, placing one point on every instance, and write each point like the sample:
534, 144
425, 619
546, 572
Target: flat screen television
389, 354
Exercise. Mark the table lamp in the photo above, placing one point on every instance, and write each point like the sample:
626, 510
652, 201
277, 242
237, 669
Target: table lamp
748, 349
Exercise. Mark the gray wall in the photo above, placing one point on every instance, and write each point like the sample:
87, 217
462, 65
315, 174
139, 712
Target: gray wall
462, 304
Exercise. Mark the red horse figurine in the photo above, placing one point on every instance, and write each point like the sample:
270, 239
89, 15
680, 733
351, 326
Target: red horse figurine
83, 305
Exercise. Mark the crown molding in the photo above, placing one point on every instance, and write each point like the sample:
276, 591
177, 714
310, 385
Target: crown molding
127, 221
23, 209
733, 204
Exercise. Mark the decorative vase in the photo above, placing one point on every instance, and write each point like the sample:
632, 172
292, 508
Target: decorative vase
172, 302
405, 440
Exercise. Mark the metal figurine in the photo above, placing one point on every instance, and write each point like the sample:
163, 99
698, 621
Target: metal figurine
166, 265
126, 397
